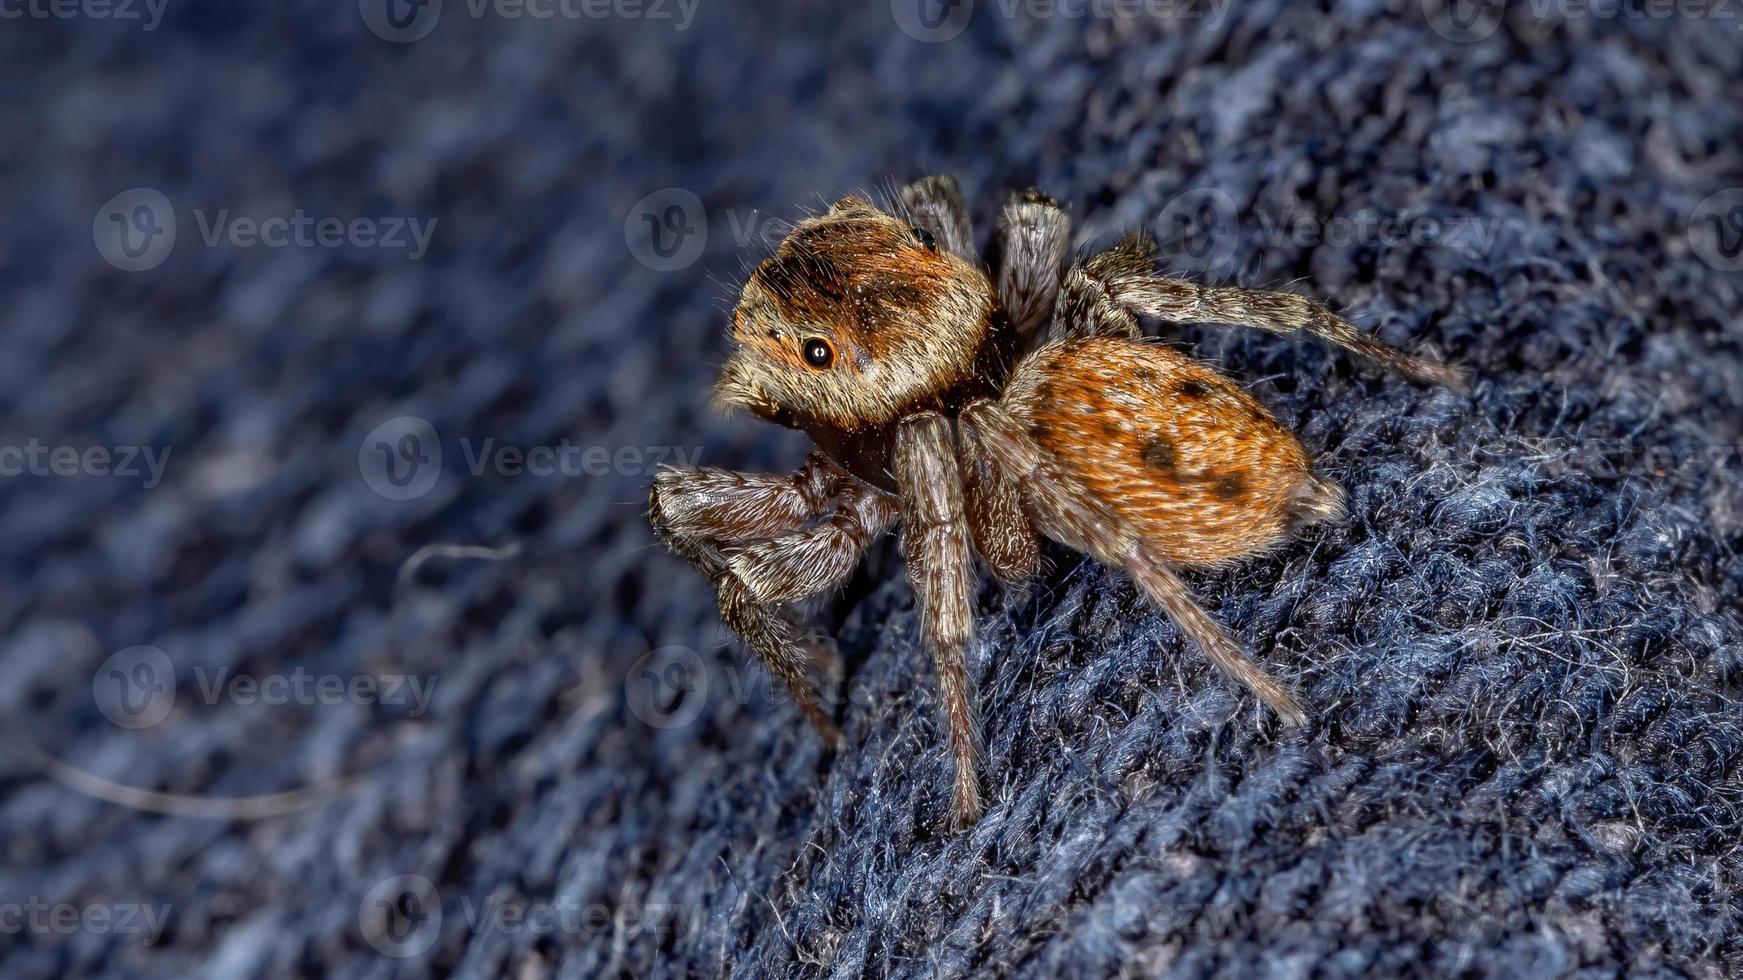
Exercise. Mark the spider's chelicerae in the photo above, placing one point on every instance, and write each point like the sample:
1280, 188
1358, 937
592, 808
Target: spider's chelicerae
983, 410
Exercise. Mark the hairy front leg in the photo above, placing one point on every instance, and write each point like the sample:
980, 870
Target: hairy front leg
723, 505
935, 204
1029, 249
816, 559
941, 568
699, 512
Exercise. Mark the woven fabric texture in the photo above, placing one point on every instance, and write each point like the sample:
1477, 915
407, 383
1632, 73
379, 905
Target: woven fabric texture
1522, 649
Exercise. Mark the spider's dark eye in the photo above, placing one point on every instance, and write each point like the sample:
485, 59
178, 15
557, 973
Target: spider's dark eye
818, 353
925, 237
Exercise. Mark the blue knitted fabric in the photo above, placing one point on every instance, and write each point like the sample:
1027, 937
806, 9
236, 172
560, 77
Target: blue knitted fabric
1522, 649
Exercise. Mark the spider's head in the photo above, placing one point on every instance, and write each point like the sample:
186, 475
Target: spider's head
857, 316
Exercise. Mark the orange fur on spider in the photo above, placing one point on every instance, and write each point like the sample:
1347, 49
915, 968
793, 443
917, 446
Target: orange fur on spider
1196, 468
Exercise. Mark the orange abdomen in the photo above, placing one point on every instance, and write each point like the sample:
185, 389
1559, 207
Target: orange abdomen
1195, 466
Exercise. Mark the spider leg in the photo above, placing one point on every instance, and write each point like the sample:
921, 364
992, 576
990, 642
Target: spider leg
706, 502
993, 505
814, 560
1163, 586
781, 644
805, 562
1065, 512
699, 512
1029, 252
936, 204
1088, 304
941, 568
1125, 275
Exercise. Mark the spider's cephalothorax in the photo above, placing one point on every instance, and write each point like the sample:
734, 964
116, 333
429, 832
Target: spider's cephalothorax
982, 413
862, 319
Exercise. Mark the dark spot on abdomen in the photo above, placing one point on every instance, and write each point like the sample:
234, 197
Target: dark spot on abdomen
1193, 388
1041, 432
1229, 487
1160, 454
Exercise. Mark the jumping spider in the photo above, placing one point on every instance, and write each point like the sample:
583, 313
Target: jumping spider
982, 411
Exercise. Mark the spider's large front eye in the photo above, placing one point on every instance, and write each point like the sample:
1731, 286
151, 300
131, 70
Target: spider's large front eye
924, 237
818, 353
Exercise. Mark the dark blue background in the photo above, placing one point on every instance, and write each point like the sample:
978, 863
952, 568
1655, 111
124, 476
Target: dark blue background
1523, 647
